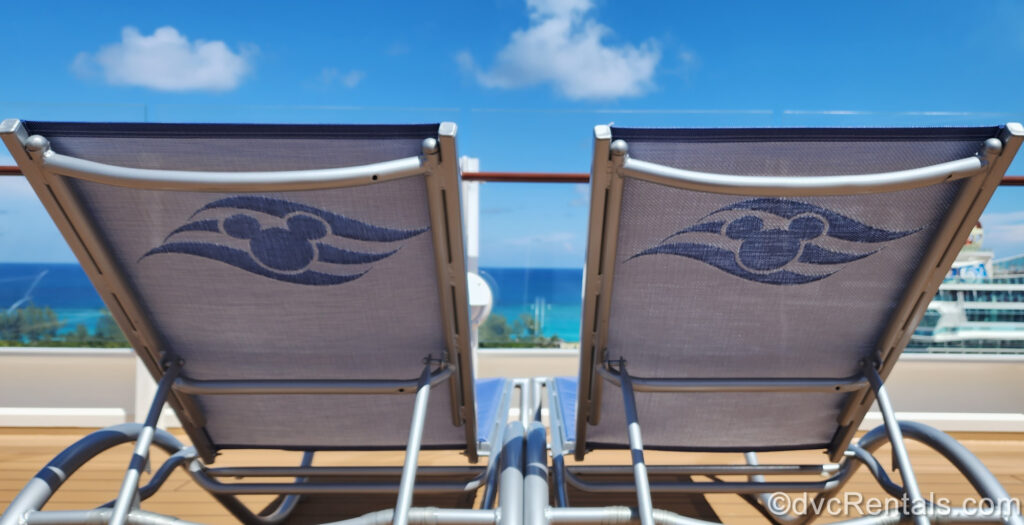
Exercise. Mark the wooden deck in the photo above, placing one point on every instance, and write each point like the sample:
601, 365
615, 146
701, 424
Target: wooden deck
25, 451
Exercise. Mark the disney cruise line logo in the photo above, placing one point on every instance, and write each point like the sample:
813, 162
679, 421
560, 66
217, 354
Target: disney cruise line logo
284, 240
776, 241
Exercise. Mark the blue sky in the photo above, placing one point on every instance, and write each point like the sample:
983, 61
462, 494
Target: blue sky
526, 80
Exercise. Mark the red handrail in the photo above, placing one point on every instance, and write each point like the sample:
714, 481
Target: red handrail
508, 176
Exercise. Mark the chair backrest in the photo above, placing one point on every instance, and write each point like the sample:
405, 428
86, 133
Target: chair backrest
273, 253
773, 254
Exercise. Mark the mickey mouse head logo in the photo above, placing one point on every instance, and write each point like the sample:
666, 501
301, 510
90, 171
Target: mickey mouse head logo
282, 249
770, 249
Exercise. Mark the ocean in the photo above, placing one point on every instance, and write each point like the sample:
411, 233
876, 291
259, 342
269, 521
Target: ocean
63, 287
550, 295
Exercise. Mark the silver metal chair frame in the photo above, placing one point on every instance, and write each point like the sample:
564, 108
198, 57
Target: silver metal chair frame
46, 170
611, 165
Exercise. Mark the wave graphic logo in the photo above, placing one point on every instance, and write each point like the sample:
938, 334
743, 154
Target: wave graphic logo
776, 241
282, 240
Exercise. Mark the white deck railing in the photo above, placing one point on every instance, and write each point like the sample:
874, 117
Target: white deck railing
81, 387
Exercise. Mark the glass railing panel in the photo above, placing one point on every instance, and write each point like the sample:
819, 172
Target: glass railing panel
532, 247
532, 236
45, 297
980, 305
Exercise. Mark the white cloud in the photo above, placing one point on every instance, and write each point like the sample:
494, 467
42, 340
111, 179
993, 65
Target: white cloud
332, 75
1004, 232
167, 61
562, 241
1001, 218
565, 48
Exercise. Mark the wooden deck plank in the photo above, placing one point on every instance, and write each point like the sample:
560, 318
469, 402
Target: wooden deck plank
25, 451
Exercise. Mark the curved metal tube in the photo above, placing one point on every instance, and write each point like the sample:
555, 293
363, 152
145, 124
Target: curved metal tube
41, 487
176, 460
232, 181
427, 516
99, 517
875, 467
725, 487
775, 186
966, 462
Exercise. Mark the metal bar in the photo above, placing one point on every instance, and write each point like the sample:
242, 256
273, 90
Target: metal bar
288, 387
502, 176
78, 228
713, 470
778, 186
444, 204
494, 456
427, 516
776, 515
899, 450
875, 468
99, 517
382, 487
311, 472
960, 218
617, 515
710, 487
738, 384
128, 496
537, 404
412, 450
524, 400
561, 491
45, 483
288, 504
558, 448
510, 498
602, 236
227, 181
535, 487
282, 509
160, 477
636, 448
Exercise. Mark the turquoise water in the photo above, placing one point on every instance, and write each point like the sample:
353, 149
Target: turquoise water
560, 319
66, 289
554, 292
62, 287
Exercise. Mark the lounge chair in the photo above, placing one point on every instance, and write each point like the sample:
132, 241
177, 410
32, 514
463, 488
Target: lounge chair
749, 290
297, 287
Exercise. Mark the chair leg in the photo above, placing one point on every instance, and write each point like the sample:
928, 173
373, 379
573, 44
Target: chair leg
128, 497
48, 480
412, 449
918, 505
636, 449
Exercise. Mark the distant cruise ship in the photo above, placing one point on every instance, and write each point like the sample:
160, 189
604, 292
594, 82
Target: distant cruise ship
979, 307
